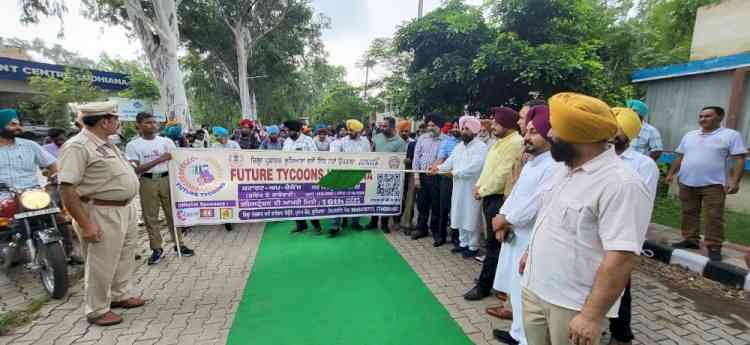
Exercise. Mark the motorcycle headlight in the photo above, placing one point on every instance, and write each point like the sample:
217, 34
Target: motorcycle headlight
34, 199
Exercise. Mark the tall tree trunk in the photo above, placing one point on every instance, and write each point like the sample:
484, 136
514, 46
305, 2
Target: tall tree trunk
159, 37
242, 41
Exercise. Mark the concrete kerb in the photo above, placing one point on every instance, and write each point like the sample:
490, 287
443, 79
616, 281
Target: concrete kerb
718, 271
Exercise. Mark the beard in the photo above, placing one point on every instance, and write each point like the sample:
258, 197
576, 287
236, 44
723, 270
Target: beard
620, 145
562, 151
530, 148
294, 136
467, 138
8, 134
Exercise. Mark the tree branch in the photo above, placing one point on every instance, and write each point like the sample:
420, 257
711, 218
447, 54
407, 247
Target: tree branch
273, 26
137, 10
229, 75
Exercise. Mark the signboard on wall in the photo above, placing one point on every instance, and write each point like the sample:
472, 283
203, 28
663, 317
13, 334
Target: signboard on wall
14, 69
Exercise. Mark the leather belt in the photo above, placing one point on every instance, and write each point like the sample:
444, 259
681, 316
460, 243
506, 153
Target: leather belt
155, 175
99, 202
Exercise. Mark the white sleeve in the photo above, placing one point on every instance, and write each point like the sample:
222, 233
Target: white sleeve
131, 153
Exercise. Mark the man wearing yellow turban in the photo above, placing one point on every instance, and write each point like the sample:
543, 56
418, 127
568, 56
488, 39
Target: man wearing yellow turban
589, 231
354, 126
353, 143
629, 127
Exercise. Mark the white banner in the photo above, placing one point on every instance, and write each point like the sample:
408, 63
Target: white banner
216, 186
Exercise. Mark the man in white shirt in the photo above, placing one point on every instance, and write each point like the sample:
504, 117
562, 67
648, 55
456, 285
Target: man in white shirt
701, 169
300, 142
516, 218
151, 154
465, 165
589, 230
629, 126
353, 143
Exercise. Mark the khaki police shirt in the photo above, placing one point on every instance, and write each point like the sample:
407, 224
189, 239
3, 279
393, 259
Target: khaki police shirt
97, 169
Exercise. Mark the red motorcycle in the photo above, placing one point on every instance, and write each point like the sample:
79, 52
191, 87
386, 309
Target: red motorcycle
29, 233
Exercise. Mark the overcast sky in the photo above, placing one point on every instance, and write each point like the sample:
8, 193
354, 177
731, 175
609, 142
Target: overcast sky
354, 23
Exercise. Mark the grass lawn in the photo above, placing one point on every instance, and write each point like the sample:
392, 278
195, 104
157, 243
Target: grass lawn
736, 229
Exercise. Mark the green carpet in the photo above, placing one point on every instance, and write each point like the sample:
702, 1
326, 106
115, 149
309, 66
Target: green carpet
354, 289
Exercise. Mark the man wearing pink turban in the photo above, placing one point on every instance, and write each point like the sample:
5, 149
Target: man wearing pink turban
464, 165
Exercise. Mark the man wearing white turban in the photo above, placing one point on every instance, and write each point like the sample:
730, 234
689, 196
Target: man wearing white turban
465, 165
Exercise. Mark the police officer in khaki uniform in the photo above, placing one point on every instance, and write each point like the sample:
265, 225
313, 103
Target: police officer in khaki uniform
98, 186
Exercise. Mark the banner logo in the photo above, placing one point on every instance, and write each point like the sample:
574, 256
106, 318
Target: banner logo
200, 177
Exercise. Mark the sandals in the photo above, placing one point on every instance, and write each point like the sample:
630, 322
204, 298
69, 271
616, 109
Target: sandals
107, 319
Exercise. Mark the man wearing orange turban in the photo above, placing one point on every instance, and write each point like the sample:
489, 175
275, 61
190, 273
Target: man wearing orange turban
590, 228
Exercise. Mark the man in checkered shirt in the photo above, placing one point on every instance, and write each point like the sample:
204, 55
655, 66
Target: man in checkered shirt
648, 141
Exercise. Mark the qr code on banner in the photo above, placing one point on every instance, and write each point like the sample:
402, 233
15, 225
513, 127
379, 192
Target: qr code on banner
389, 184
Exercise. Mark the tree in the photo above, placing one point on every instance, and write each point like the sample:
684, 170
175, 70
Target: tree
50, 105
154, 23
443, 43
141, 83
248, 22
339, 104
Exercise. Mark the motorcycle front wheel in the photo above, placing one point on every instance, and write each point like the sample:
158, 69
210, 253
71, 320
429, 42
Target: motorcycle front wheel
54, 270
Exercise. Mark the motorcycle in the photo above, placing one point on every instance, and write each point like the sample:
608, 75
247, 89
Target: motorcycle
29, 233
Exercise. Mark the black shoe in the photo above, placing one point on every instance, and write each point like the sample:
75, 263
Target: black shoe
228, 227
385, 229
686, 244
476, 294
468, 253
714, 254
371, 225
155, 256
357, 227
333, 232
438, 243
187, 252
75, 260
344, 222
459, 249
504, 337
419, 234
299, 229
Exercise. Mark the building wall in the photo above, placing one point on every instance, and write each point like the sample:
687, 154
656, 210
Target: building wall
675, 103
720, 30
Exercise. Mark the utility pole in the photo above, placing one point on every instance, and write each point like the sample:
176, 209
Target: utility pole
421, 6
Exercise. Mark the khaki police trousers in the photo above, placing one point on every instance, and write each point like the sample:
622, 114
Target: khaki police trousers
155, 195
108, 263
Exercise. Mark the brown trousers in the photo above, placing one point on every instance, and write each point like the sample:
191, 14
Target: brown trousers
709, 200
154, 196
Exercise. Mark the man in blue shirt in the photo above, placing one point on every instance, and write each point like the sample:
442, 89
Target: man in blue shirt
21, 159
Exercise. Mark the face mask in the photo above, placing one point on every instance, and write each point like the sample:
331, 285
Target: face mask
562, 151
467, 138
294, 135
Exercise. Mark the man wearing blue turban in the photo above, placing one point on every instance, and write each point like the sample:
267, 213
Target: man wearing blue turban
223, 141
648, 141
20, 159
272, 142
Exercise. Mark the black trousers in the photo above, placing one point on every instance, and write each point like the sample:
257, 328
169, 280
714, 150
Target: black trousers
490, 205
446, 190
302, 224
620, 327
383, 220
428, 204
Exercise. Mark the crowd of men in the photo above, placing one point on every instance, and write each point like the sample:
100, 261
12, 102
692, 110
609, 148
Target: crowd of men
560, 192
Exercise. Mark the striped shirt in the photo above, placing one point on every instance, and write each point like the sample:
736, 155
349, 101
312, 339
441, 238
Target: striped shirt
648, 140
20, 163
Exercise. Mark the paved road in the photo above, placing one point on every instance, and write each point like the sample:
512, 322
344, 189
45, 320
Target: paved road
193, 300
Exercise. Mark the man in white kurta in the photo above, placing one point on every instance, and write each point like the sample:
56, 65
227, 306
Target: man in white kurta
465, 165
629, 128
518, 214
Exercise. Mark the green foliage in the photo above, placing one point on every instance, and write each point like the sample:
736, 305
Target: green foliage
141, 85
340, 103
50, 105
213, 102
